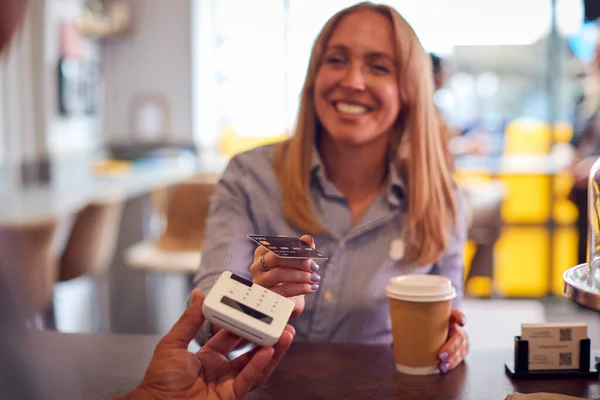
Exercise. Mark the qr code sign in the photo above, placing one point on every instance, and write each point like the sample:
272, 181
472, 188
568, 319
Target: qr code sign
565, 359
565, 335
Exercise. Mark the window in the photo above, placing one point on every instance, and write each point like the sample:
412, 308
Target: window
251, 60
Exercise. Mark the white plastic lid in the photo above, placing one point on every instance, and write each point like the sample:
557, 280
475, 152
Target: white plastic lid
420, 288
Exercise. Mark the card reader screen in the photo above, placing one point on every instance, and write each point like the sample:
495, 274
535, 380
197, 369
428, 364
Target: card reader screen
246, 310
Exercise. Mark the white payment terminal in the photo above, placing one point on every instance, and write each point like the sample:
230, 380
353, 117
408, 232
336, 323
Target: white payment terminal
247, 309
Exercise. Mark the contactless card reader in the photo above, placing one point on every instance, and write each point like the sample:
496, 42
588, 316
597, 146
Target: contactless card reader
247, 309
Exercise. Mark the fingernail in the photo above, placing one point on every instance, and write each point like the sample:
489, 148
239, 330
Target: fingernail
463, 321
314, 286
314, 267
194, 297
444, 356
312, 239
445, 367
315, 278
293, 330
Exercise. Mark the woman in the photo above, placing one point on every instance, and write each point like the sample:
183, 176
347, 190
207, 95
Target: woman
342, 179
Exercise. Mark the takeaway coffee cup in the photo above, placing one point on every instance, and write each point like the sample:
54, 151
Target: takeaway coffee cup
420, 308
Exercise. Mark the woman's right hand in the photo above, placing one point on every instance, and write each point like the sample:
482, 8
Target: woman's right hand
291, 278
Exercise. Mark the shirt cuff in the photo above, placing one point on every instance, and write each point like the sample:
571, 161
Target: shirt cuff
205, 333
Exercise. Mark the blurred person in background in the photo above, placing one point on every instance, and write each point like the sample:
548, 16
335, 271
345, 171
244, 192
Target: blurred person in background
458, 144
27, 368
585, 143
446, 132
483, 201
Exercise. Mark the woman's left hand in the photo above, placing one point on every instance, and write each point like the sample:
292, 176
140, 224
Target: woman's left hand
454, 351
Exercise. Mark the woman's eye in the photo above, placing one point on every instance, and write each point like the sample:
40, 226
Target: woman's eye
381, 68
334, 60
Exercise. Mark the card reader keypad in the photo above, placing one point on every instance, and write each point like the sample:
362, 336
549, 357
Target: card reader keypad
255, 296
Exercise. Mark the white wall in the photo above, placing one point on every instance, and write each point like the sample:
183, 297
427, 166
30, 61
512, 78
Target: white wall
154, 58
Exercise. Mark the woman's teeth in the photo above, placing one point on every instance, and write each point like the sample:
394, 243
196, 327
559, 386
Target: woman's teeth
347, 108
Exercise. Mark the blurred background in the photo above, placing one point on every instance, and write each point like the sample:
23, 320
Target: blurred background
113, 111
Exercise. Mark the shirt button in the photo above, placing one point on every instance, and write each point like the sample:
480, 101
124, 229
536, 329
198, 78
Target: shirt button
328, 296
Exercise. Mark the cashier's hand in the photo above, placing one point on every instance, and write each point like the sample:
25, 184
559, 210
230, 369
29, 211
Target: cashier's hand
175, 373
290, 278
454, 351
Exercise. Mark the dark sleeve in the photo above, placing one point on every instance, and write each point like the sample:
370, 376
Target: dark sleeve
581, 124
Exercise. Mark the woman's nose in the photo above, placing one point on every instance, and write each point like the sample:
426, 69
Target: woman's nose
354, 78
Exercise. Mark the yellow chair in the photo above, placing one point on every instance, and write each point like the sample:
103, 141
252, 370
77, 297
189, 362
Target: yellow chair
524, 267
563, 210
522, 262
527, 198
477, 286
533, 137
527, 136
230, 143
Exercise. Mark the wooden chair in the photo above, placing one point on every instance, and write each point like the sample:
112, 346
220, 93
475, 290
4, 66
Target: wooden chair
90, 251
178, 249
29, 266
170, 260
91, 245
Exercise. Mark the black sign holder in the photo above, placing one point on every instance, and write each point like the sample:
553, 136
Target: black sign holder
519, 369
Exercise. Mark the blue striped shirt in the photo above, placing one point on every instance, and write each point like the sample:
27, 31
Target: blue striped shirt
350, 305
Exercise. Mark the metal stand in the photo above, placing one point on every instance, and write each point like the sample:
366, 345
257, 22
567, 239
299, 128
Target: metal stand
578, 288
519, 369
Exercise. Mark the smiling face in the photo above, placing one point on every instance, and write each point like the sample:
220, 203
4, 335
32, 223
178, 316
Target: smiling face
356, 91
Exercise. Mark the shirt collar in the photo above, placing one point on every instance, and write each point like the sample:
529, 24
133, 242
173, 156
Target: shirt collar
316, 161
395, 191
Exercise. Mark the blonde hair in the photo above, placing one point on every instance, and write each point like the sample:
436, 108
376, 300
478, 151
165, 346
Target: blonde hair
431, 202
